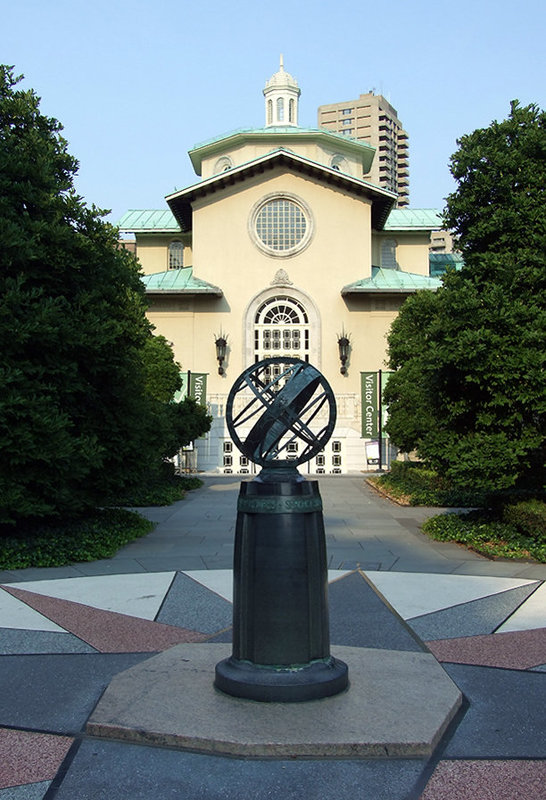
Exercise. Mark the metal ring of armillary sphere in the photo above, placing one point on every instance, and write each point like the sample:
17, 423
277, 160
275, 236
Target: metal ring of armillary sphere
286, 401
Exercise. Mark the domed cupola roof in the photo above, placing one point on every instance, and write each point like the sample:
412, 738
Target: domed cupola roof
281, 79
281, 94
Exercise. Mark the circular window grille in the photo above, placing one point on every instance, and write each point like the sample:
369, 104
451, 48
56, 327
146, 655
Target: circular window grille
281, 226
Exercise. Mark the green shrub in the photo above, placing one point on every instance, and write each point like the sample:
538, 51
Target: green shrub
420, 486
485, 534
99, 534
528, 517
161, 490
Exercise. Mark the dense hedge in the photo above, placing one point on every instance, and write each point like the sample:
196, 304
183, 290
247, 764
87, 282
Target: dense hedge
528, 517
418, 485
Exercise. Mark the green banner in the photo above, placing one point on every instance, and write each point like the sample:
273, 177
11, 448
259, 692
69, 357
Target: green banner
370, 403
370, 415
183, 391
198, 387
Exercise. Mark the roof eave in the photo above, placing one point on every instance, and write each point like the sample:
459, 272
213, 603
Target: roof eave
180, 203
199, 151
209, 292
151, 230
374, 290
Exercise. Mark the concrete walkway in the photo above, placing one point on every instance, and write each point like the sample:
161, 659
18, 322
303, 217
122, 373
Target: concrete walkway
66, 632
362, 529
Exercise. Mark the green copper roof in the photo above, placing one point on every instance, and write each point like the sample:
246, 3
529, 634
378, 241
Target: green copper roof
176, 281
392, 280
288, 130
156, 220
287, 133
414, 219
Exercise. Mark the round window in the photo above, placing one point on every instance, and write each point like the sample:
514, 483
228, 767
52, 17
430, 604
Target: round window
281, 226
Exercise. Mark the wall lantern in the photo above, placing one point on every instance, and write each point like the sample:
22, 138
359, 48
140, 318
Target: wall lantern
221, 347
343, 345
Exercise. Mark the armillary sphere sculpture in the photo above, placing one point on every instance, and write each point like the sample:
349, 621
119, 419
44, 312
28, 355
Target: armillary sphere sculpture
283, 400
280, 413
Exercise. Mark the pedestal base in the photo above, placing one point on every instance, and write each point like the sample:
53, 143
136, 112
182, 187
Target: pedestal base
399, 705
313, 681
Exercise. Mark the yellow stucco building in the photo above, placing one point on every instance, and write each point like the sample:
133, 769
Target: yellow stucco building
282, 248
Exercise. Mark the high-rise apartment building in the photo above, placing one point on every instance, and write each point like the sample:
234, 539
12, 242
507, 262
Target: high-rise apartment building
372, 119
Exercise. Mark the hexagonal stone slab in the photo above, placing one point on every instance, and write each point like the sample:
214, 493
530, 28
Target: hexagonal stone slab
398, 704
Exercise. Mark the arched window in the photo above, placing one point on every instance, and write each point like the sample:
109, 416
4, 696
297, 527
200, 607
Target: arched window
281, 328
291, 107
388, 254
280, 109
222, 165
339, 163
269, 112
176, 255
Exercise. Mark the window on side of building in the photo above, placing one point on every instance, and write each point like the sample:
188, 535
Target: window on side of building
176, 255
388, 254
223, 164
340, 164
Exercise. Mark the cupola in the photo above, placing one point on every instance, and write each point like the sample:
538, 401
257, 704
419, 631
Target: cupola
281, 94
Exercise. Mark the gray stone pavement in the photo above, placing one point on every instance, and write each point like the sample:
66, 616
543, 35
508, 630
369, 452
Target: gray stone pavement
363, 529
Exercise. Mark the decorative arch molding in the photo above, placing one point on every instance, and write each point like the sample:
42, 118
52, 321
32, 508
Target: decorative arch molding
270, 293
223, 164
340, 164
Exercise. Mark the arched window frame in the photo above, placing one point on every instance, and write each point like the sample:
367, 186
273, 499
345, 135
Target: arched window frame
291, 109
340, 163
296, 295
280, 109
223, 164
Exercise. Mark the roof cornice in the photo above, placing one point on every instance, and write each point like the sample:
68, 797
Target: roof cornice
281, 136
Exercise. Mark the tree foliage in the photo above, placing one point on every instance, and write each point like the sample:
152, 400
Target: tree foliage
77, 423
469, 393
161, 372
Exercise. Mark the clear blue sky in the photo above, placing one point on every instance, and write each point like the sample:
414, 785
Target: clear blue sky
137, 84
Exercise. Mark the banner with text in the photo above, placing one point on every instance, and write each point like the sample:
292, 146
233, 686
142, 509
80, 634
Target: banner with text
370, 402
198, 387
370, 415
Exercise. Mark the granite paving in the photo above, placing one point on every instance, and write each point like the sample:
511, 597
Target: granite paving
112, 771
471, 619
505, 718
66, 632
108, 631
29, 757
516, 650
487, 780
